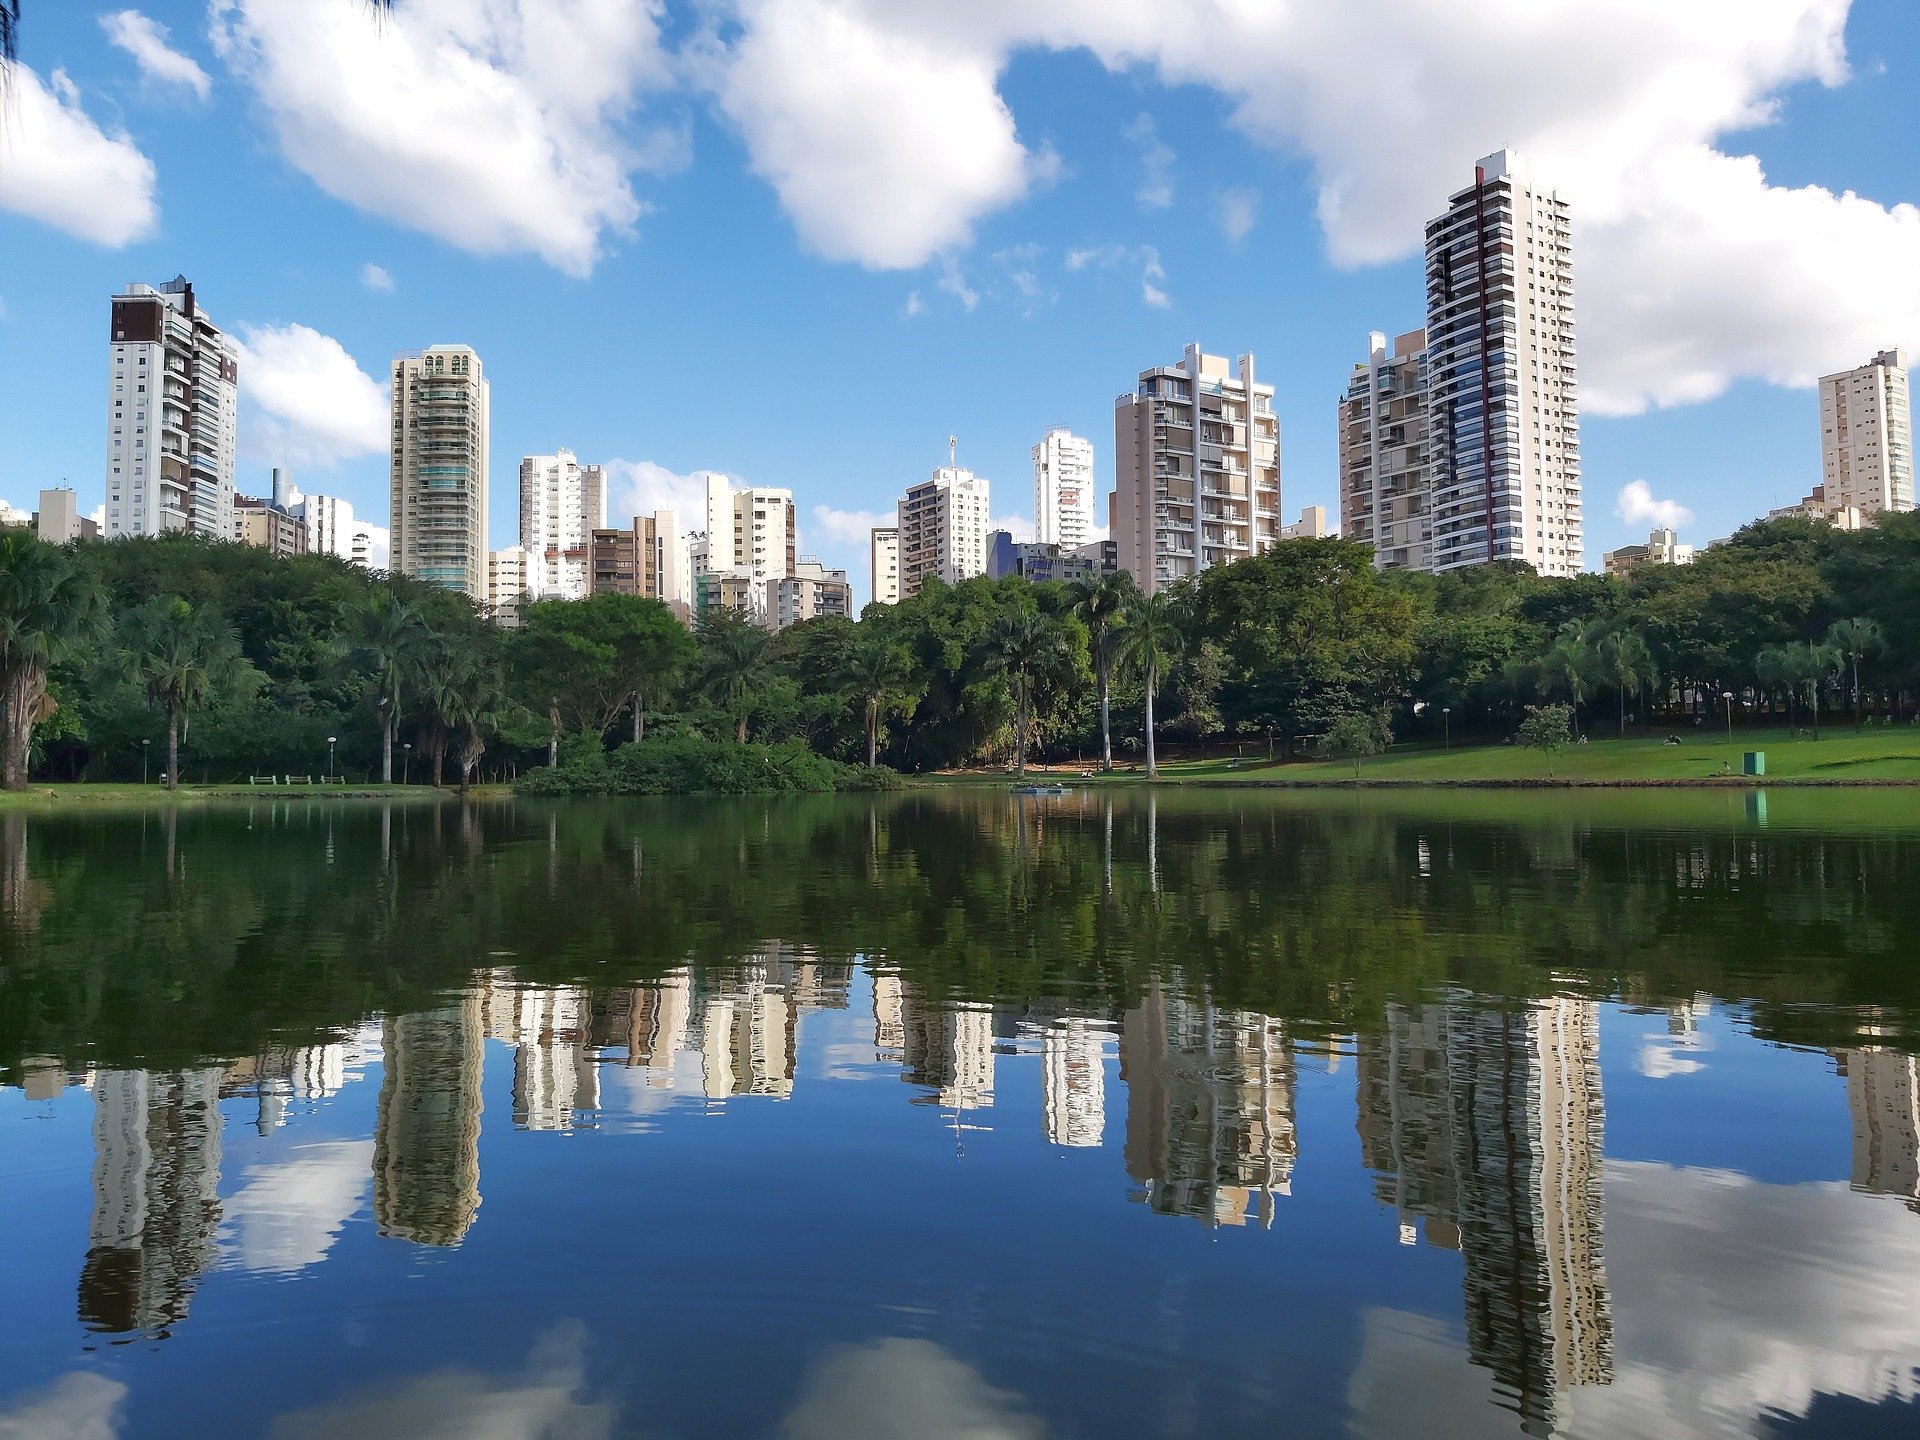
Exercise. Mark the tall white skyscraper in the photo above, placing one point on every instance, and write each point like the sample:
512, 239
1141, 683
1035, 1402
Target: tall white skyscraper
1866, 437
172, 416
1504, 410
1196, 468
1063, 489
943, 529
750, 531
886, 565
441, 427
1386, 476
333, 529
562, 503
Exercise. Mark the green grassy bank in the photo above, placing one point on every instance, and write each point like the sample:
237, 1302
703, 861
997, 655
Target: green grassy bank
127, 797
1874, 756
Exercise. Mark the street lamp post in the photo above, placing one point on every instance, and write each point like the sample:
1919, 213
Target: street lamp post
1727, 695
406, 763
331, 769
146, 749
1446, 724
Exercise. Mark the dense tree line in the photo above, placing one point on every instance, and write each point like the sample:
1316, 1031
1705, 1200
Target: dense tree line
214, 661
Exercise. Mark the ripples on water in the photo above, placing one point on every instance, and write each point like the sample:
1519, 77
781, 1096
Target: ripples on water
956, 1116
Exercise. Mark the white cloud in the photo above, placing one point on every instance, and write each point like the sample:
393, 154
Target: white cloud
1018, 526
640, 487
850, 527
60, 168
499, 126
954, 282
1156, 164
377, 278
313, 405
146, 42
915, 306
1238, 209
881, 126
79, 1405
906, 1387
1636, 505
287, 1215
1144, 258
884, 142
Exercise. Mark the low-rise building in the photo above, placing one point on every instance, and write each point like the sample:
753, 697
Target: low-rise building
1663, 547
59, 520
1312, 525
811, 592
1036, 561
264, 525
1820, 505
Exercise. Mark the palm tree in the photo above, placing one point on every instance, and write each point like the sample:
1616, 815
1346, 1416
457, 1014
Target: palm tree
46, 608
1153, 637
445, 676
1773, 667
472, 707
184, 655
1622, 660
880, 675
1808, 664
1102, 607
1853, 637
1569, 667
393, 637
1031, 650
731, 653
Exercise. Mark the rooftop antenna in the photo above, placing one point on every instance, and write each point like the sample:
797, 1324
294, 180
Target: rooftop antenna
953, 452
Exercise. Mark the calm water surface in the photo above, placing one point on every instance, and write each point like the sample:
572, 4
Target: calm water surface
957, 1115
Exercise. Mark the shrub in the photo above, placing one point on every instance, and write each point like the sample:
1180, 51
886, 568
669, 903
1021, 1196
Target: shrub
684, 763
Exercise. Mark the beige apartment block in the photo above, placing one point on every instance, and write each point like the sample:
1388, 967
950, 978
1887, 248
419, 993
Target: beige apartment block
810, 592
1866, 437
441, 424
1663, 547
1503, 388
885, 560
1386, 482
562, 503
266, 526
943, 529
1197, 469
506, 585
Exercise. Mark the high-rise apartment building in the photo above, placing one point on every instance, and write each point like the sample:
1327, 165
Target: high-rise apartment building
1386, 480
333, 530
1866, 437
265, 525
943, 529
811, 591
751, 537
506, 585
439, 488
885, 551
1063, 489
648, 559
562, 503
172, 416
1197, 469
1503, 407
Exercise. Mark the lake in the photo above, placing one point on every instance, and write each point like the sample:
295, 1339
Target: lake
961, 1114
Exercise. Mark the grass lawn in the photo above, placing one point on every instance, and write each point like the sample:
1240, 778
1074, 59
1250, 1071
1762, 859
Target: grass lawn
121, 797
1840, 754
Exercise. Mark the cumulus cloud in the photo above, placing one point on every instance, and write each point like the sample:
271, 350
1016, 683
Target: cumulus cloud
1018, 526
79, 1405
147, 42
1156, 164
915, 306
850, 527
888, 141
953, 281
1637, 506
288, 1214
640, 487
1237, 210
499, 126
62, 169
313, 405
884, 141
377, 278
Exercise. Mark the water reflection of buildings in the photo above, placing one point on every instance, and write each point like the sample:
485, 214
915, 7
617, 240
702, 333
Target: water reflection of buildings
426, 1141
156, 1201
1484, 1125
555, 1072
1210, 1123
1883, 1099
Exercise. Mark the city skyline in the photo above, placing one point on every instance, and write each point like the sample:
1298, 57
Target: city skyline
1145, 224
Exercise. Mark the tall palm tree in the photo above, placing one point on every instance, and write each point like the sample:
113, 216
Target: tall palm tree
731, 653
1809, 664
1622, 660
1568, 668
1153, 637
46, 608
1102, 607
473, 703
1774, 668
1853, 637
1030, 650
393, 637
880, 675
185, 656
445, 675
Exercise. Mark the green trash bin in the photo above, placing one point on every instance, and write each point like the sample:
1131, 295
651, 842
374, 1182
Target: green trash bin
1756, 762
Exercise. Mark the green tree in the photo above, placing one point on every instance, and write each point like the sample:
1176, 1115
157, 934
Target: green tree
1548, 729
728, 667
1029, 650
879, 675
1101, 605
185, 657
1808, 666
1354, 736
391, 638
1569, 667
1153, 637
1623, 661
1854, 637
46, 610
591, 659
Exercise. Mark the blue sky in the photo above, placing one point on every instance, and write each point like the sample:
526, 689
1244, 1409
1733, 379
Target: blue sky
802, 241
